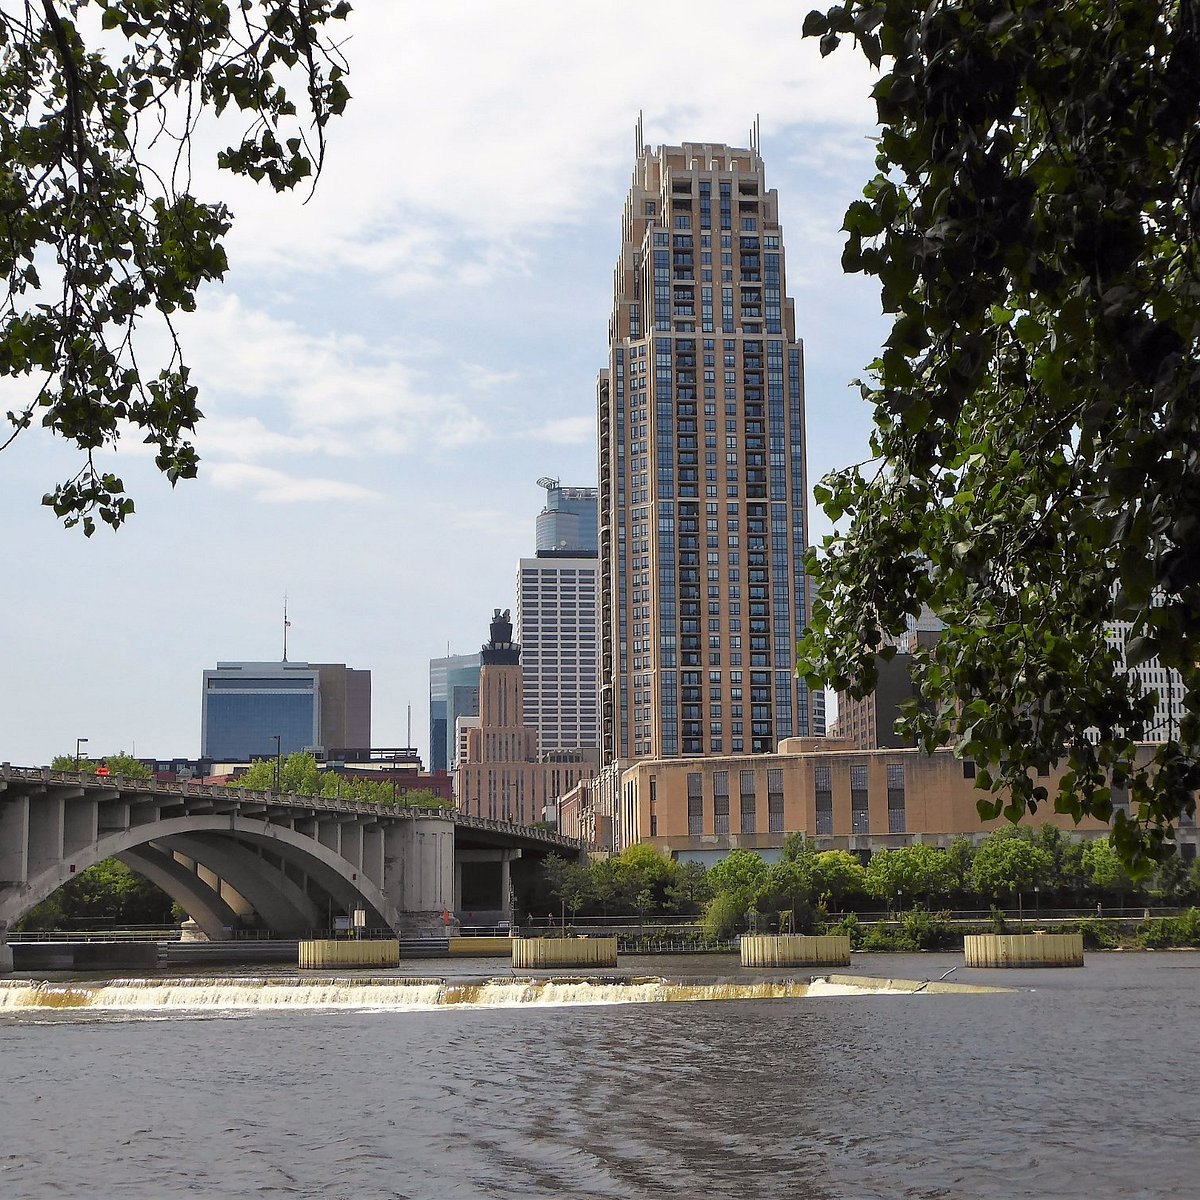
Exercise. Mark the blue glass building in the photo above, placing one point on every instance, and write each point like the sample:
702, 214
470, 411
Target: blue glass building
567, 525
453, 693
247, 705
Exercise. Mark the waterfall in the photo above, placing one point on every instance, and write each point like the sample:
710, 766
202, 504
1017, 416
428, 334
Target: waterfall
394, 994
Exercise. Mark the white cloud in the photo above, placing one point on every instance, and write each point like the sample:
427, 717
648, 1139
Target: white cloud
566, 431
479, 520
476, 128
483, 379
248, 438
276, 487
336, 393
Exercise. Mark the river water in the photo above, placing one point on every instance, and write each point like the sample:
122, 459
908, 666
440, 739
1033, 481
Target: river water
1077, 1083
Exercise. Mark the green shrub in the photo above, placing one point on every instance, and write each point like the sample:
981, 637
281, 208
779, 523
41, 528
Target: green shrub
923, 930
1183, 930
849, 927
724, 916
1097, 934
881, 937
999, 924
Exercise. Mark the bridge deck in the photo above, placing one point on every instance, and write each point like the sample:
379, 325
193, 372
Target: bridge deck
26, 780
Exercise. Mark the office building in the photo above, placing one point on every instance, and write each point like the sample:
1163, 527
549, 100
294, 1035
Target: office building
869, 722
345, 707
453, 693
558, 623
1149, 677
246, 706
502, 774
703, 486
567, 524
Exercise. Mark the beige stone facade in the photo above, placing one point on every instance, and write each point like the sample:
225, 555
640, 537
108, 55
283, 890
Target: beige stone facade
842, 797
501, 774
703, 495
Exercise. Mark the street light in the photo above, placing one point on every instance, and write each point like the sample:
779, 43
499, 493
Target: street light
1037, 901
278, 772
78, 743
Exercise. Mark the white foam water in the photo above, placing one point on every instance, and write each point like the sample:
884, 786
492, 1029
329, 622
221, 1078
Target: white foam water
383, 994
822, 987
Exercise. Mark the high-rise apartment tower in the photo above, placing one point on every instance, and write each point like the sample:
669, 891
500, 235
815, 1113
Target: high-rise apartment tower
702, 469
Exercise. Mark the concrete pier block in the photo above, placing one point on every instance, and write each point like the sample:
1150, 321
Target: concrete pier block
1023, 950
795, 950
348, 953
564, 952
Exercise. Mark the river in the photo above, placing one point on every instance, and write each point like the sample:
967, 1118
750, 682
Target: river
1077, 1083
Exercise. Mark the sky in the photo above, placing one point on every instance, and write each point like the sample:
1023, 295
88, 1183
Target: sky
388, 368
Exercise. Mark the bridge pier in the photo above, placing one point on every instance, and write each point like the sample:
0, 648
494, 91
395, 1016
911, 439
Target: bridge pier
418, 876
501, 855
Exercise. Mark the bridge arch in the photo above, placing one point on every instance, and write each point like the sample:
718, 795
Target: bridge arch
201, 902
280, 903
324, 863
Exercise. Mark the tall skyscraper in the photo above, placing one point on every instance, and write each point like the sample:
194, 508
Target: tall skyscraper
453, 693
557, 618
703, 487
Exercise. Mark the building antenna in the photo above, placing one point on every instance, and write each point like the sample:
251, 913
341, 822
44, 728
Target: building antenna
637, 135
286, 626
756, 134
409, 742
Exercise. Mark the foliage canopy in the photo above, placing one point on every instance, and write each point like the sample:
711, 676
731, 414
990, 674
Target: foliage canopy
121, 765
1035, 468
99, 102
299, 775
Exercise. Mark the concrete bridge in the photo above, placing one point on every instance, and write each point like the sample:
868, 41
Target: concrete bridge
236, 858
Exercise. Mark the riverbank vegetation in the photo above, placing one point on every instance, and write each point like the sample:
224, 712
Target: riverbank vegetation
900, 900
106, 896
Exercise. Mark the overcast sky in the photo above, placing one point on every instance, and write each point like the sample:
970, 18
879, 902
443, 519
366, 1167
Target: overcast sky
387, 370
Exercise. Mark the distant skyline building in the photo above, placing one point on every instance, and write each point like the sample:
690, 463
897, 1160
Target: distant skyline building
453, 693
246, 705
345, 707
502, 774
1149, 677
703, 488
568, 523
558, 623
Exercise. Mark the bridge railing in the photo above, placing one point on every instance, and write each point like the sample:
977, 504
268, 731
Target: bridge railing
216, 791
171, 934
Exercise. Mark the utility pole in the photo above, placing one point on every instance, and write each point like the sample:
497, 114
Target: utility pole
78, 743
278, 763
